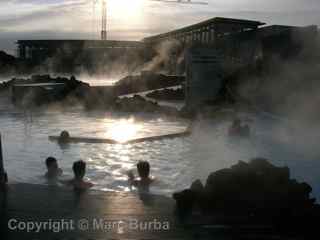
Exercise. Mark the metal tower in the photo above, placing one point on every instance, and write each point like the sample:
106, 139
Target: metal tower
104, 12
104, 21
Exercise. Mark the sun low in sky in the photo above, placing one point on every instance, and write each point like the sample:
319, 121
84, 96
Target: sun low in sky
136, 19
127, 9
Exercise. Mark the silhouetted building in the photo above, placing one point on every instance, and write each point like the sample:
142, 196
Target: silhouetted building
218, 47
70, 55
37, 50
215, 48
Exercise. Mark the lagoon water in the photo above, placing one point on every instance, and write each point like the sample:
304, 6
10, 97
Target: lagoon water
175, 162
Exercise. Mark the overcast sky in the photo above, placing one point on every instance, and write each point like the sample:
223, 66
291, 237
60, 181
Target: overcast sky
135, 19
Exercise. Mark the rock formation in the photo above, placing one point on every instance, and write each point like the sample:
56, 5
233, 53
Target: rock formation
168, 94
258, 192
139, 104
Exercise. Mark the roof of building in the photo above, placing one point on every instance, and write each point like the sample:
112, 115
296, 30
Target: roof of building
38, 84
278, 29
234, 23
77, 43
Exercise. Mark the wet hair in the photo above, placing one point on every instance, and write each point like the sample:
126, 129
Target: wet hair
79, 169
143, 169
50, 161
64, 135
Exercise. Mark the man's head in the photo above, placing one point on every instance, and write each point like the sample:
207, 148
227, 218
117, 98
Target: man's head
143, 169
79, 169
51, 164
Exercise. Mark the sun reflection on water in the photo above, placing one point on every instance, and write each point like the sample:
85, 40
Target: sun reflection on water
124, 130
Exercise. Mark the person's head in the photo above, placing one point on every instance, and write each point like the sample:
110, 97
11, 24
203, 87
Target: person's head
52, 164
143, 168
64, 136
79, 169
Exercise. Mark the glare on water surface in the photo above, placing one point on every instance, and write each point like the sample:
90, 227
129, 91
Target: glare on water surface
124, 130
176, 163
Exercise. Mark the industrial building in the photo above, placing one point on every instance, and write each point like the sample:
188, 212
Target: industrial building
68, 55
218, 47
37, 50
213, 49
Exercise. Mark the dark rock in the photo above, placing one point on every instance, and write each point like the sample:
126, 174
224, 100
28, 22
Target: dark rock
139, 104
197, 186
43, 89
146, 81
168, 94
99, 98
185, 202
257, 190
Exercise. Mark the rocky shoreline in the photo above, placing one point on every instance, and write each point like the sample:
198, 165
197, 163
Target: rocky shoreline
78, 93
168, 94
256, 192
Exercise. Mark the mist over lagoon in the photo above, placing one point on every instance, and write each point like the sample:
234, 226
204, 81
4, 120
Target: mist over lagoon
175, 162
159, 119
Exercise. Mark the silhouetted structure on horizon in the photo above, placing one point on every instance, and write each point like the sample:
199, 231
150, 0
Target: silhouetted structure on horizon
207, 52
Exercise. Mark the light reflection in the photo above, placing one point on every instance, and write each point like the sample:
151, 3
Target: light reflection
124, 130
123, 10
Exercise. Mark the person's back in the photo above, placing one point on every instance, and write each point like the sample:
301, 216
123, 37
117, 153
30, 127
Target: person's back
53, 170
79, 170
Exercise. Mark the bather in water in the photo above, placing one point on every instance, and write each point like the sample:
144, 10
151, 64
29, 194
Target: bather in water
144, 180
53, 170
79, 170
